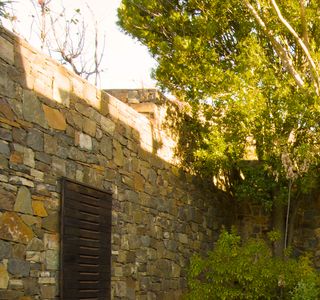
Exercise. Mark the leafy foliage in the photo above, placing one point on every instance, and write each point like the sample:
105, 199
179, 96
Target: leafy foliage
248, 271
250, 71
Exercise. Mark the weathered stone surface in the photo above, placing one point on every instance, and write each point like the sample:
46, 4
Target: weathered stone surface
38, 176
51, 222
43, 157
61, 88
118, 154
30, 286
5, 250
55, 118
39, 209
35, 139
35, 245
3, 162
34, 256
23, 201
18, 267
6, 110
83, 140
139, 182
6, 51
50, 144
51, 241
52, 259
25, 298
15, 284
28, 157
59, 166
19, 251
4, 148
19, 135
31, 220
48, 291
47, 280
106, 147
5, 135
12, 228
89, 127
16, 158
21, 181
4, 277
12, 295
107, 125
6, 199
32, 110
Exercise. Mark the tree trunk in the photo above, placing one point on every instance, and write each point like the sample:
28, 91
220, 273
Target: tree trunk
279, 226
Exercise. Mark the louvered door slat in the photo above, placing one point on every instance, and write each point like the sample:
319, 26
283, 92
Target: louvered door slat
85, 242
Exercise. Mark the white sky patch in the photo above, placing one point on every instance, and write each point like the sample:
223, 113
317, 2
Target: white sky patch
126, 63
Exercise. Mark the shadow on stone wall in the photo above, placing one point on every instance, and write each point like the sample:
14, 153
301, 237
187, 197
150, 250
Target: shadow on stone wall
53, 125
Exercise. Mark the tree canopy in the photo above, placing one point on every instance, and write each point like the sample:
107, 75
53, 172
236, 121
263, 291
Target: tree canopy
250, 69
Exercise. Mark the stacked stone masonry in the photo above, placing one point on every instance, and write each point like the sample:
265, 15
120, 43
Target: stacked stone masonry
53, 124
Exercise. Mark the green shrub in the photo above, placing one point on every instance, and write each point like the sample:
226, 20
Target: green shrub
249, 271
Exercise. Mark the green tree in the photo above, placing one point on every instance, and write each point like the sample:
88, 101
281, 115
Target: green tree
235, 270
250, 70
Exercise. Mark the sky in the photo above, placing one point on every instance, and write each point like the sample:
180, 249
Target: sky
126, 63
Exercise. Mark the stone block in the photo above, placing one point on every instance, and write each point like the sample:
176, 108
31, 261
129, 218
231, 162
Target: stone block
107, 125
4, 277
38, 176
48, 291
31, 220
46, 280
15, 284
12, 228
90, 95
30, 286
39, 209
55, 118
58, 166
6, 200
51, 222
4, 148
32, 109
106, 147
35, 245
42, 84
83, 140
50, 144
19, 135
89, 127
28, 157
33, 256
118, 154
139, 182
21, 181
6, 51
5, 135
19, 251
51, 241
23, 201
61, 89
35, 140
18, 267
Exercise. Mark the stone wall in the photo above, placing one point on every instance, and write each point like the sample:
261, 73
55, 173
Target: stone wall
53, 124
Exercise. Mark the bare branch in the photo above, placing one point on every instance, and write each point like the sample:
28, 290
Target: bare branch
305, 49
283, 54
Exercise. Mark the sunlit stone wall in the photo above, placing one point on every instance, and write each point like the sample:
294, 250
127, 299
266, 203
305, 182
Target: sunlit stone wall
54, 124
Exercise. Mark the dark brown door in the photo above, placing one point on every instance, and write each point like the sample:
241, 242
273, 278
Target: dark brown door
85, 242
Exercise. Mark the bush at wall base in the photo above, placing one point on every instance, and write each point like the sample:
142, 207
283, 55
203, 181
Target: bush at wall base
235, 270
